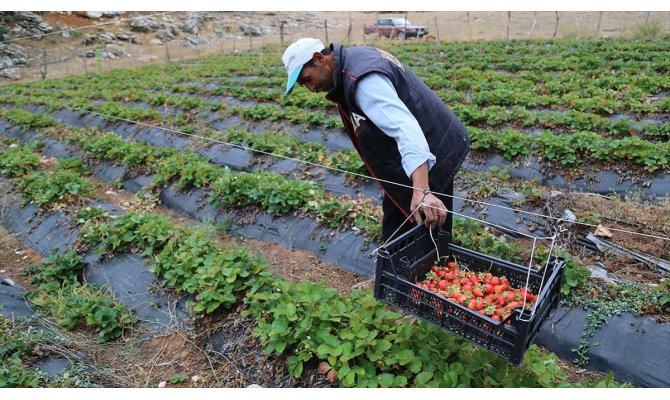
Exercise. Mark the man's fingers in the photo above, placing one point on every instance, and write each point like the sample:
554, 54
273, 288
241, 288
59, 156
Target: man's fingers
417, 215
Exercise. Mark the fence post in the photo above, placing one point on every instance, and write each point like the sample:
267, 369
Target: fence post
556, 27
281, 31
437, 30
600, 18
43, 67
646, 18
325, 26
251, 42
509, 21
532, 27
469, 28
167, 53
349, 30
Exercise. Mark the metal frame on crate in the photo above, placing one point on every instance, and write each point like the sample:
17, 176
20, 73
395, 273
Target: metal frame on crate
393, 286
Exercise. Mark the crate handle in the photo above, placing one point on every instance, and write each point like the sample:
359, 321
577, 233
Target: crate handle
426, 192
384, 253
559, 229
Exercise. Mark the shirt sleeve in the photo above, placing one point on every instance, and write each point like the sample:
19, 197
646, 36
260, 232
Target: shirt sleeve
378, 99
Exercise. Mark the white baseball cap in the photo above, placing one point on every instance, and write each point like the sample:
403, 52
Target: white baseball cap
297, 55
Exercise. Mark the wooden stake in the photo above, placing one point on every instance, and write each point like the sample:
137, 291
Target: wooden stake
532, 27
509, 21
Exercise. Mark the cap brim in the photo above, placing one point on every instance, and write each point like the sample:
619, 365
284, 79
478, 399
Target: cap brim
292, 80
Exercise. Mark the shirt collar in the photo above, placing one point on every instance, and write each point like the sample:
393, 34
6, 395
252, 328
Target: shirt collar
336, 94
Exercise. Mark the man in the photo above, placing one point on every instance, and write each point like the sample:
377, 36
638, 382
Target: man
402, 130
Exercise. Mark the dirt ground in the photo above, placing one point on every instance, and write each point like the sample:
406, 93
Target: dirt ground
63, 54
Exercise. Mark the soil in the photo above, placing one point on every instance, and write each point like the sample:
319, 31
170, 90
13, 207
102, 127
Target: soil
626, 215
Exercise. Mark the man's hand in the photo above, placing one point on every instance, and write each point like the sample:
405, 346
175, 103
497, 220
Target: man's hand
432, 212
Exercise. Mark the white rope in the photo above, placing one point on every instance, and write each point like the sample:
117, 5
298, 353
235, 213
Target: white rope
366, 176
85, 27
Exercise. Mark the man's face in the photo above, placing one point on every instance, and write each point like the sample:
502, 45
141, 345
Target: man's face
317, 77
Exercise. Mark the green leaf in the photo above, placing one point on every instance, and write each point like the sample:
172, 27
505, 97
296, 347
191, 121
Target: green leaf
423, 378
385, 380
405, 356
400, 381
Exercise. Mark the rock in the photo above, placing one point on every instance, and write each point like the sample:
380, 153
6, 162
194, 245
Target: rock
89, 14
193, 41
247, 30
10, 73
27, 17
11, 56
14, 52
167, 33
162, 384
602, 232
98, 14
192, 22
31, 24
107, 37
144, 25
90, 39
115, 50
127, 37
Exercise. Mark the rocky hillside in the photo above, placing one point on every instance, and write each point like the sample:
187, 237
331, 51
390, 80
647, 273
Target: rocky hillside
26, 36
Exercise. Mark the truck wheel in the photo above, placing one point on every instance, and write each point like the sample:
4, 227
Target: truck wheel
401, 35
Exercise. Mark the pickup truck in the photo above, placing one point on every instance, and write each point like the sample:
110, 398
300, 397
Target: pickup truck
396, 27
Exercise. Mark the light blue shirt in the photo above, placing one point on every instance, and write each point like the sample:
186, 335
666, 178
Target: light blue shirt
378, 99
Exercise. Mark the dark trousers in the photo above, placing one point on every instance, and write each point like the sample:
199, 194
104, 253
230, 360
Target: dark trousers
393, 217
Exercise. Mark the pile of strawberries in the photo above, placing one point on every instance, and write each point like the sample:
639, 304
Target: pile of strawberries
480, 292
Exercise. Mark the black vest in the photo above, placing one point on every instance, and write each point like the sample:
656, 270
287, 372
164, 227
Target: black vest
447, 138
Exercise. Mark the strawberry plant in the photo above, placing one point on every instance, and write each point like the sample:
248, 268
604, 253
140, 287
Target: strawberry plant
52, 186
18, 161
57, 271
75, 306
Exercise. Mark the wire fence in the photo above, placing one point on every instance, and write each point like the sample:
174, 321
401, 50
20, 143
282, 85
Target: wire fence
48, 58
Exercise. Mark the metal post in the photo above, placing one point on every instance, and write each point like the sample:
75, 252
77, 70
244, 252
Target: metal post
437, 30
325, 27
469, 29
600, 19
349, 30
556, 27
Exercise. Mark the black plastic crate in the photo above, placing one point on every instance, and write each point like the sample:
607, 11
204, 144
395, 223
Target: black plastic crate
407, 259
